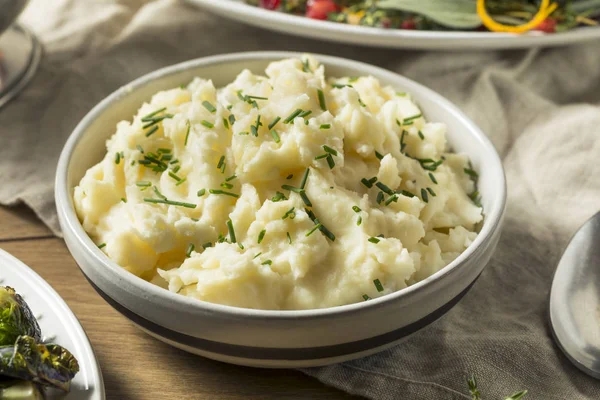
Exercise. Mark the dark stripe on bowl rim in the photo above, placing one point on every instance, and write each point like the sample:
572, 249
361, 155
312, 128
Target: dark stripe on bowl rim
271, 353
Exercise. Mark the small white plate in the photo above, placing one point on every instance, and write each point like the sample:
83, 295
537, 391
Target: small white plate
394, 38
59, 325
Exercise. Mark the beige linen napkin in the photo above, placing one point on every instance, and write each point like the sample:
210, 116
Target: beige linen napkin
539, 107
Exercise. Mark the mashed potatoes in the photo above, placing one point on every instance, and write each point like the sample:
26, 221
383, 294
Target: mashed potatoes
288, 191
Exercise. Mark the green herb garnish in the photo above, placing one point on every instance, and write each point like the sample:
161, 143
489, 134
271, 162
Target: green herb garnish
421, 135
267, 262
317, 226
432, 177
223, 192
101, 245
325, 126
424, 196
289, 237
201, 192
207, 124
231, 231
278, 197
321, 97
469, 172
293, 115
304, 178
190, 248
170, 202
356, 209
290, 213
209, 106
261, 235
275, 136
384, 188
378, 285
330, 150
373, 240
431, 192
274, 122
406, 121
330, 161
152, 131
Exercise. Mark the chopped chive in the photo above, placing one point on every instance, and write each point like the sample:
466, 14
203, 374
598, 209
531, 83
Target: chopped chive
201, 192
226, 185
322, 156
291, 213
469, 172
152, 131
378, 285
159, 194
328, 234
195, 219
305, 65
321, 97
330, 150
240, 95
374, 240
393, 198
117, 158
431, 192
209, 106
123, 199
421, 135
223, 168
290, 176
267, 262
364, 296
261, 235
325, 126
278, 197
274, 122
401, 94
175, 161
406, 193
292, 188
257, 97
384, 188
177, 168
174, 176
152, 114
163, 150
304, 178
380, 197
424, 196
432, 177
170, 202
275, 136
166, 157
232, 177
243, 133
317, 226
305, 113
293, 115
221, 162
361, 102
257, 255
181, 182
356, 209
378, 155
366, 182
225, 123
218, 191
207, 124
101, 245
139, 148
305, 199
231, 119
330, 161
190, 248
132, 163
405, 121
402, 144
359, 221
153, 121
429, 164
207, 245
289, 237
231, 231
340, 85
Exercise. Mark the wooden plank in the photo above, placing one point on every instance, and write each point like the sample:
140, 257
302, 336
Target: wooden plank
137, 366
20, 222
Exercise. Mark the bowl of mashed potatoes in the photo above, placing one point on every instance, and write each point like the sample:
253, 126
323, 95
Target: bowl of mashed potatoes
278, 209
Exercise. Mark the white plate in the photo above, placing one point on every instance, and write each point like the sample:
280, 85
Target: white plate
59, 325
396, 38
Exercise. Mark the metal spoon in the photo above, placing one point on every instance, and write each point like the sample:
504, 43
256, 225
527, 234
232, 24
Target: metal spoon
575, 299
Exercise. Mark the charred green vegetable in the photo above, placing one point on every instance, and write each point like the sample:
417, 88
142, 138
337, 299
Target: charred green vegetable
16, 318
49, 364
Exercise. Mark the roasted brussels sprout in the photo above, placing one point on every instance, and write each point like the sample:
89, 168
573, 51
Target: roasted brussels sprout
50, 364
16, 318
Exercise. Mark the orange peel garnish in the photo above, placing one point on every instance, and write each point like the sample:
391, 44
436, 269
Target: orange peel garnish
545, 10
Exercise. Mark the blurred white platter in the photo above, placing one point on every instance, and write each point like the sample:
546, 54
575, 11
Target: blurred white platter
392, 38
59, 325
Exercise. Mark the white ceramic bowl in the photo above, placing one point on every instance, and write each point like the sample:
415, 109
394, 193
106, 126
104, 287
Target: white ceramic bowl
275, 338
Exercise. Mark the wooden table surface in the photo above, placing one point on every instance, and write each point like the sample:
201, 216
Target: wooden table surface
135, 365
